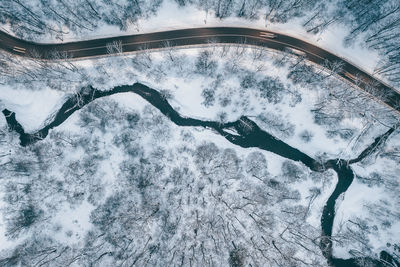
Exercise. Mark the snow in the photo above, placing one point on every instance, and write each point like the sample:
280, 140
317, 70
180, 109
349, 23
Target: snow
32, 107
186, 89
332, 40
352, 206
5, 242
170, 17
374, 204
74, 222
3, 122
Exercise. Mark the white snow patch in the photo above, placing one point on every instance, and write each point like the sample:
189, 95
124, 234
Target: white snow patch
75, 222
32, 107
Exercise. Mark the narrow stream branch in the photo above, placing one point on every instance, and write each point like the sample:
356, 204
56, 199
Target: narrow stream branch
248, 135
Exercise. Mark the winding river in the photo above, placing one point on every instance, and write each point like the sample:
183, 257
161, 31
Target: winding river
248, 135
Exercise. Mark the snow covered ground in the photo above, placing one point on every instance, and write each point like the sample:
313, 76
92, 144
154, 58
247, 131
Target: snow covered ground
66, 216
217, 83
32, 107
369, 207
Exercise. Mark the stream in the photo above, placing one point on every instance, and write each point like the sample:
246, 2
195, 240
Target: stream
248, 135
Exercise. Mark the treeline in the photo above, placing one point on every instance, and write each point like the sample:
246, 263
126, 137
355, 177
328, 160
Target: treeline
32, 19
378, 24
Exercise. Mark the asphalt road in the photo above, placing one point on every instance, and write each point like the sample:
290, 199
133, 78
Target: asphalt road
195, 36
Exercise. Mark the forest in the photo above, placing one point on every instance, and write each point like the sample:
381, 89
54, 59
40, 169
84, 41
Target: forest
120, 181
140, 190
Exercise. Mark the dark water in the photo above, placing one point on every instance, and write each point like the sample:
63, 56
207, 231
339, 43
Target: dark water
249, 135
385, 260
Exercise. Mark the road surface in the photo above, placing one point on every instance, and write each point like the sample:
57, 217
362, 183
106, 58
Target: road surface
197, 36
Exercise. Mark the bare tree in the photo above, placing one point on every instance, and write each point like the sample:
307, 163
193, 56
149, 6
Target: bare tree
115, 47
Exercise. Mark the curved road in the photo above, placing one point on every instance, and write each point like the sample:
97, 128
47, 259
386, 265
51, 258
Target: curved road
195, 36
